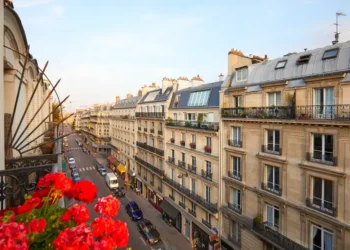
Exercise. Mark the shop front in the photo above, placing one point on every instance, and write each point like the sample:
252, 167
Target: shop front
121, 170
112, 162
203, 238
171, 215
131, 178
139, 186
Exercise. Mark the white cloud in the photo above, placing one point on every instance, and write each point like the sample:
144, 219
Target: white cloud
58, 10
30, 3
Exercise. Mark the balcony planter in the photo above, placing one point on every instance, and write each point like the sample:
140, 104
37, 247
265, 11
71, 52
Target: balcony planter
47, 148
207, 149
188, 124
176, 103
193, 145
182, 143
258, 222
172, 140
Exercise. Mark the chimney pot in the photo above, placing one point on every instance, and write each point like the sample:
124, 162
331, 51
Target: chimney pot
129, 95
117, 98
139, 93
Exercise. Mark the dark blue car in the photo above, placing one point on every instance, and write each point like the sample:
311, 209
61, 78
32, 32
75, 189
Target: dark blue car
134, 211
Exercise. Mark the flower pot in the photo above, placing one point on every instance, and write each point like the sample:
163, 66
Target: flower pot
47, 148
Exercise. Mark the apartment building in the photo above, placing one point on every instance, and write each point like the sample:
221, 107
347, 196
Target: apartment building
78, 120
123, 137
285, 143
192, 162
95, 127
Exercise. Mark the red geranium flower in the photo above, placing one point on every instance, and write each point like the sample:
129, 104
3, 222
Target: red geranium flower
102, 226
57, 181
108, 206
7, 215
29, 205
79, 237
37, 226
13, 236
79, 213
84, 191
120, 234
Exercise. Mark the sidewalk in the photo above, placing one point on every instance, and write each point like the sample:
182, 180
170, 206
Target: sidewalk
100, 158
172, 238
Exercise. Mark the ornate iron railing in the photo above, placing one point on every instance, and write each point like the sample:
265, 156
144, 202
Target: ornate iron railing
192, 212
277, 238
150, 148
172, 197
328, 159
150, 114
235, 207
182, 205
214, 126
236, 176
235, 143
150, 166
271, 149
206, 223
207, 175
192, 168
330, 210
151, 130
160, 132
181, 164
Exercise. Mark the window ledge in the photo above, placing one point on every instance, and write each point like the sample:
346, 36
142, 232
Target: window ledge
271, 157
235, 150
321, 168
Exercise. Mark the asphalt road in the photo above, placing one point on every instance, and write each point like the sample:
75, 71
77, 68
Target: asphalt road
85, 164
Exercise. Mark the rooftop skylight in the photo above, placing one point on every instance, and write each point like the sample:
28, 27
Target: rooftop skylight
281, 64
328, 54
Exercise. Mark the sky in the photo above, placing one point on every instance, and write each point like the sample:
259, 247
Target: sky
107, 48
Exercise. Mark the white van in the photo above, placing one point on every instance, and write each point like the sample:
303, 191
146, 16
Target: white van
112, 181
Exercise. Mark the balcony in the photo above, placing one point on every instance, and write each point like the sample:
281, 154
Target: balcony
152, 130
207, 175
182, 205
183, 143
139, 128
271, 149
193, 145
275, 237
181, 164
150, 166
160, 189
145, 129
326, 208
192, 168
275, 189
207, 149
172, 197
192, 212
152, 183
150, 114
212, 207
327, 159
235, 143
145, 178
171, 160
212, 126
160, 132
235, 175
206, 223
235, 207
150, 148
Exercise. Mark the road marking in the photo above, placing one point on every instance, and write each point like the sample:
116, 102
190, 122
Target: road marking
83, 169
144, 242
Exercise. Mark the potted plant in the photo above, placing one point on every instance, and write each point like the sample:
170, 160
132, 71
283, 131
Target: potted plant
182, 143
47, 147
176, 103
200, 119
207, 149
258, 221
169, 121
172, 140
193, 145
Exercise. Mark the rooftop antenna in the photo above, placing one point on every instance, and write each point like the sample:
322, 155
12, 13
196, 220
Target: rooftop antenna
336, 26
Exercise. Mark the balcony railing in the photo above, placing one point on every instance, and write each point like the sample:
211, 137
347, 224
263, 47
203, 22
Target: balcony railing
327, 208
150, 114
160, 189
328, 159
309, 112
145, 129
271, 149
152, 130
139, 128
235, 143
277, 238
150, 166
235, 175
150, 148
206, 223
145, 178
182, 204
181, 164
171, 160
192, 212
172, 197
192, 168
272, 188
235, 207
213, 207
152, 183
207, 149
213, 126
160, 132
207, 175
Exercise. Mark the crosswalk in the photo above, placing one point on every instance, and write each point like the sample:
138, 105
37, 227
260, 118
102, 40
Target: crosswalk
78, 148
86, 169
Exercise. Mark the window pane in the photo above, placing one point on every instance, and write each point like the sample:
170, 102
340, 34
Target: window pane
269, 213
270, 140
277, 178
328, 241
317, 191
328, 148
276, 218
277, 140
328, 194
317, 146
269, 172
317, 238
278, 99
271, 99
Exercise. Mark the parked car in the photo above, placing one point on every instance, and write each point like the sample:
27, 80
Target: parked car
71, 161
98, 166
148, 231
80, 144
72, 166
76, 177
85, 150
112, 181
74, 170
133, 210
102, 171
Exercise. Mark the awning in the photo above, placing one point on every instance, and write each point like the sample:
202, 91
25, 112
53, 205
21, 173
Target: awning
169, 209
131, 172
112, 159
121, 168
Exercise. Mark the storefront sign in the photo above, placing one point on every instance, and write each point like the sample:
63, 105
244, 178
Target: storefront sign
213, 238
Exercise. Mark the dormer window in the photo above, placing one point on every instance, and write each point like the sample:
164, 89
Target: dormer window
242, 74
329, 54
281, 64
303, 59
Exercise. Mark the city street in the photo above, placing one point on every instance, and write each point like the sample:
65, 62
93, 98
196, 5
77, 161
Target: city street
85, 164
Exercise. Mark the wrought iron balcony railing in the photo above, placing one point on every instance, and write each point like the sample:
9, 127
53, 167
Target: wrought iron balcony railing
150, 166
151, 130
207, 175
328, 158
235, 175
181, 164
309, 112
171, 160
160, 132
152, 183
235, 143
206, 223
213, 126
172, 197
139, 128
182, 205
271, 149
145, 129
150, 148
192, 212
150, 114
213, 207
235, 207
277, 238
192, 168
272, 188
323, 207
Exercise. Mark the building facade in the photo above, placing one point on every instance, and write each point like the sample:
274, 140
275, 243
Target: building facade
192, 162
285, 143
123, 137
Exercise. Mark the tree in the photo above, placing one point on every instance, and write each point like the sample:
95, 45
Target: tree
57, 114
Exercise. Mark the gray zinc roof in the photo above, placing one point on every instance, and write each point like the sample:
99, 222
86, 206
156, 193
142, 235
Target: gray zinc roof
159, 96
265, 72
127, 103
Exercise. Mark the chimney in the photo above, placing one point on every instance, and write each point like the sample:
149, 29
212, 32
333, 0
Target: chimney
221, 77
139, 93
129, 95
237, 59
117, 98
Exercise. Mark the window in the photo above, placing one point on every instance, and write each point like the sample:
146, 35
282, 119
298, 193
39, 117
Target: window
152, 124
303, 59
199, 98
242, 74
208, 167
208, 140
281, 64
173, 134
274, 99
324, 102
172, 153
273, 140
160, 164
152, 142
194, 161
321, 238
172, 192
322, 194
236, 198
273, 179
273, 216
183, 136
328, 54
207, 194
160, 126
194, 138
236, 136
236, 167
191, 116
237, 101
175, 116
193, 185
172, 174
183, 157
160, 145
234, 231
323, 147
193, 206
208, 217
